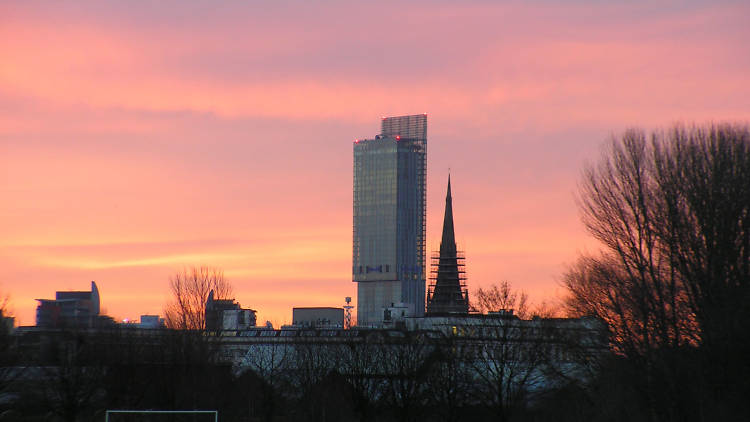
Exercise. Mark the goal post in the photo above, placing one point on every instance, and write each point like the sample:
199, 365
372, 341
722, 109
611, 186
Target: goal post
163, 412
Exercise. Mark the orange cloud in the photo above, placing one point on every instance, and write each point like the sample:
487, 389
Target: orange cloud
134, 141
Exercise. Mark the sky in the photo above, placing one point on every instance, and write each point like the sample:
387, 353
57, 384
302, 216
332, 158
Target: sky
138, 139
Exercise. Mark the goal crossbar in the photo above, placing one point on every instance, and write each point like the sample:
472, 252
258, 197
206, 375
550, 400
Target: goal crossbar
172, 412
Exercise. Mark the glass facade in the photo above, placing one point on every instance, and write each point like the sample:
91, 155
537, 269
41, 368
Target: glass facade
412, 127
389, 218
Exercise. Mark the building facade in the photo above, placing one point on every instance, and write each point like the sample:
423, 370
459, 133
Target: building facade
69, 309
226, 314
321, 317
388, 260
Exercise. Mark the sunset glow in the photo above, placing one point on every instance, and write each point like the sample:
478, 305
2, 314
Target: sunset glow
137, 140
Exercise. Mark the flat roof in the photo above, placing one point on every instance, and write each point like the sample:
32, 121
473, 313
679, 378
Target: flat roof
318, 307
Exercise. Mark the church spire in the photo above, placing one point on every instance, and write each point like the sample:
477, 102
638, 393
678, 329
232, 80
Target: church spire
447, 295
448, 241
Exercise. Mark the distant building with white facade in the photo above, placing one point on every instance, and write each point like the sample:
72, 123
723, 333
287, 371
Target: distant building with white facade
226, 314
151, 322
318, 317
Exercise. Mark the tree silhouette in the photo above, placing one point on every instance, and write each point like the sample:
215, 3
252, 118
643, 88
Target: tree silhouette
672, 214
190, 289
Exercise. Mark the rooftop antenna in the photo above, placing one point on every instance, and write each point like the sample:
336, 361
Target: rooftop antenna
348, 313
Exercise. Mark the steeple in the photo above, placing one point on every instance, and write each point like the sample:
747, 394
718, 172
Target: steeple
448, 242
447, 294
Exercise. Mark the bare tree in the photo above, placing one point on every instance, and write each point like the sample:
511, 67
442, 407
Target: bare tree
510, 357
361, 365
450, 380
72, 387
673, 216
273, 363
190, 289
313, 383
703, 176
408, 359
501, 298
621, 207
11, 368
631, 284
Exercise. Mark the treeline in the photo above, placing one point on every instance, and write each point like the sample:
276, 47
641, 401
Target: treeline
373, 375
72, 375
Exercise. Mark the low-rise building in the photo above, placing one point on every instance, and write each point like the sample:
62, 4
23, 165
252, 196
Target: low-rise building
226, 314
322, 317
71, 309
151, 322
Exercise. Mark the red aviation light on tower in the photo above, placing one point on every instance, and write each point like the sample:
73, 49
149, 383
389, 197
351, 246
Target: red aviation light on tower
398, 137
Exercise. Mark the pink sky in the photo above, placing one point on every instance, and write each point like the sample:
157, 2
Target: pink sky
135, 141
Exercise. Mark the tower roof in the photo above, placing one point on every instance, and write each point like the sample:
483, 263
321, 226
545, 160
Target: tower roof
413, 126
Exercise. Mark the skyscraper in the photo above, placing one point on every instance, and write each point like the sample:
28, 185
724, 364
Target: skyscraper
388, 257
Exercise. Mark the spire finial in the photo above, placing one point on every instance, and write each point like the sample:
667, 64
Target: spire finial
448, 195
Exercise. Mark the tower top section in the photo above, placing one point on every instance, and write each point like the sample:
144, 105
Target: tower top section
412, 127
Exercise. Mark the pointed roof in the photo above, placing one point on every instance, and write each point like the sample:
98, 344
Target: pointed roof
448, 242
448, 295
